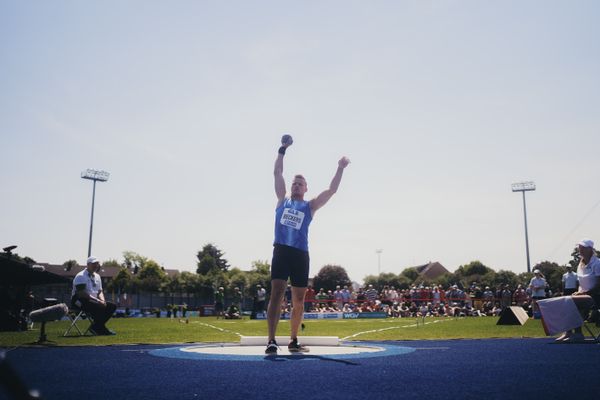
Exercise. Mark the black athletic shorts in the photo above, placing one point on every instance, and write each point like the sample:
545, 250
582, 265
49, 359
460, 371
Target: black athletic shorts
290, 262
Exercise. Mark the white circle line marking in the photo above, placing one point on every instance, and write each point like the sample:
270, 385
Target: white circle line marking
392, 327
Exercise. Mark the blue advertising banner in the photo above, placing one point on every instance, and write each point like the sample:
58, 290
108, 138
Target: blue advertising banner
355, 315
352, 315
311, 315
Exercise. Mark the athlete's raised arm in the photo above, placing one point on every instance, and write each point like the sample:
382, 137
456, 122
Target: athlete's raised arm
324, 197
286, 142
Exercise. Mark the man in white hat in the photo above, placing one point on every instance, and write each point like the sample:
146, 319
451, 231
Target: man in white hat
261, 297
588, 295
538, 285
88, 295
538, 288
588, 271
569, 281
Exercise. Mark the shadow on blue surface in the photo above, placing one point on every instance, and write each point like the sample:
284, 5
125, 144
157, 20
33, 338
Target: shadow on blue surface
300, 357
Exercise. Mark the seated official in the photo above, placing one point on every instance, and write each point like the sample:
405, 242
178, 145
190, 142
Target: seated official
88, 295
232, 312
588, 274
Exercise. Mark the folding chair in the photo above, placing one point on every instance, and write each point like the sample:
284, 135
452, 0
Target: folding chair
595, 336
596, 321
78, 315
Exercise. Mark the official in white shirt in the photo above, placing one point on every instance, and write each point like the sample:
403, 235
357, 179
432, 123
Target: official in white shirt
88, 295
569, 282
588, 274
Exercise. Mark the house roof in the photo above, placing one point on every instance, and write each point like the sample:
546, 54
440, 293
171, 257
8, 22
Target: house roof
431, 270
171, 272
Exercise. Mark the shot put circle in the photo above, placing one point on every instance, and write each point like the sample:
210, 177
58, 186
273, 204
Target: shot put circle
236, 352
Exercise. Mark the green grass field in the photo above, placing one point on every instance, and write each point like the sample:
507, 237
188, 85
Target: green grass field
209, 329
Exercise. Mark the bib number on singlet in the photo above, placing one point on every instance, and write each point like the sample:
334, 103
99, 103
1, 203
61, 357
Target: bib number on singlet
292, 218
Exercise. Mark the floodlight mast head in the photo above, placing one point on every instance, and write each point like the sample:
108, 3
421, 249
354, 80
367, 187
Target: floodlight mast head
523, 186
95, 175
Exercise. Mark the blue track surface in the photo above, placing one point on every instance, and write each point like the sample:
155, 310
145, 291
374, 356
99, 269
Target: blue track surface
453, 369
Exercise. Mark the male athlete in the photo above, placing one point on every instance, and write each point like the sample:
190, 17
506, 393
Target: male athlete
290, 254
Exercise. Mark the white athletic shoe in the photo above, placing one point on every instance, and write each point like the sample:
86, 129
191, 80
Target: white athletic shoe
562, 337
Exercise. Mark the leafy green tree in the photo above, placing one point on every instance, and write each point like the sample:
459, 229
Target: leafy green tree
371, 280
260, 274
410, 273
134, 261
70, 264
122, 282
473, 268
238, 278
262, 268
188, 281
421, 281
497, 279
174, 284
151, 277
575, 258
198, 285
210, 257
446, 280
399, 281
471, 272
216, 278
330, 276
111, 264
524, 278
206, 264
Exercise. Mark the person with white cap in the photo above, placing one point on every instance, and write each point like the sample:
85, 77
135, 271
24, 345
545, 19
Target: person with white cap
569, 281
261, 297
538, 288
88, 295
588, 295
588, 271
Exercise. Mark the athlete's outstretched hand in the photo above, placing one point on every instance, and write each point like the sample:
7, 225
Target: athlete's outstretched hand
344, 161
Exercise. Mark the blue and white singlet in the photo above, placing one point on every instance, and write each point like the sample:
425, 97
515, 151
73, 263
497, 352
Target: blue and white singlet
292, 218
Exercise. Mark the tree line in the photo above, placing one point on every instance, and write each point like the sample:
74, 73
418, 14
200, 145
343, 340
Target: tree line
476, 271
140, 273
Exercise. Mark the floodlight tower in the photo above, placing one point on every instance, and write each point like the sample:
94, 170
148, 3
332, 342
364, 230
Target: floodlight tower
379, 251
525, 187
93, 175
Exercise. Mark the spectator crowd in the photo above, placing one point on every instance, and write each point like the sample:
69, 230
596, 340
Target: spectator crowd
432, 301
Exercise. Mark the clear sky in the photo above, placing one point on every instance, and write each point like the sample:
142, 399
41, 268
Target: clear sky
440, 105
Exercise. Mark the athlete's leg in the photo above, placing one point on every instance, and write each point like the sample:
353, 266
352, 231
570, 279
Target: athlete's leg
297, 310
274, 310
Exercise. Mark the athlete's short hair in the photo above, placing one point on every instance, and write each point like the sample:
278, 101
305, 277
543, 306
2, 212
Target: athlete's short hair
300, 177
